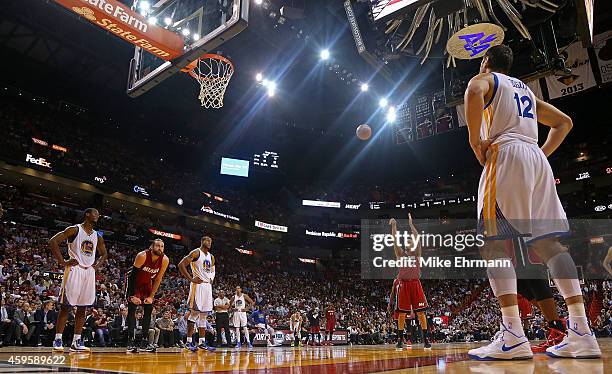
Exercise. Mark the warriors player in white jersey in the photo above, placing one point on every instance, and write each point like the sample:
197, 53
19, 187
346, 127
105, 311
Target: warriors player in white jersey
240, 303
202, 264
79, 282
295, 325
517, 197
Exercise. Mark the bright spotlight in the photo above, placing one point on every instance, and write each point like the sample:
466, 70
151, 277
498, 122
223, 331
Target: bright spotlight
179, 201
265, 83
168, 21
196, 36
391, 116
185, 32
153, 20
272, 86
271, 91
325, 54
383, 102
364, 87
145, 5
258, 77
258, 2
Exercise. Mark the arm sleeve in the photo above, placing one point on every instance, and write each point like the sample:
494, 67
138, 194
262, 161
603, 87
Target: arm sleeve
131, 281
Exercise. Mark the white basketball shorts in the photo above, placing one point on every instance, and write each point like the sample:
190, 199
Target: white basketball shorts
517, 194
78, 286
240, 319
200, 297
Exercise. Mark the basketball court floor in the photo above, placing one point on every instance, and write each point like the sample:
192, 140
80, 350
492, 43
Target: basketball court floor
443, 358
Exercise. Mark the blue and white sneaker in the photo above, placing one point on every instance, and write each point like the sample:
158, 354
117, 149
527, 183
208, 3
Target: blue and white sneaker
505, 346
238, 345
576, 345
250, 345
207, 347
58, 346
191, 347
79, 347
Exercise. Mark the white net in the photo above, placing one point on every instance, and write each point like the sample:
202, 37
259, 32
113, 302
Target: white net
214, 75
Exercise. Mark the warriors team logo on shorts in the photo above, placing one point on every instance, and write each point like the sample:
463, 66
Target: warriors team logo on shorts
87, 248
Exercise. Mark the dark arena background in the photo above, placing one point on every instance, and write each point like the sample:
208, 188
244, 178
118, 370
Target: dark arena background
232, 128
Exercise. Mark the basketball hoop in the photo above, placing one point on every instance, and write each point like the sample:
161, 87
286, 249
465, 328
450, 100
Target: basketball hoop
213, 73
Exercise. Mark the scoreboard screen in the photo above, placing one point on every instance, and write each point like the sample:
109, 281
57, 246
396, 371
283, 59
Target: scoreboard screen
266, 160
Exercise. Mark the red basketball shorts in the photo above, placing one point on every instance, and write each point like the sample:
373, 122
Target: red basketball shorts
409, 295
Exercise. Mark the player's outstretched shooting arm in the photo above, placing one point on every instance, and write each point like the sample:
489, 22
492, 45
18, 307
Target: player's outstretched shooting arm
415, 234
396, 248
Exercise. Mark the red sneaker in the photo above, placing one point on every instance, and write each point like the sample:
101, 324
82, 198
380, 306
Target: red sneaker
554, 337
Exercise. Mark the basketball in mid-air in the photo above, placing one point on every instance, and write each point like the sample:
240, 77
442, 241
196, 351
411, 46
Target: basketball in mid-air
364, 132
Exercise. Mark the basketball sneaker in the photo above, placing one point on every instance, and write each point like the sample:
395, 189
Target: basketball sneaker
58, 345
131, 348
399, 346
505, 346
427, 345
79, 347
190, 346
249, 345
150, 348
554, 337
576, 345
238, 345
408, 345
206, 347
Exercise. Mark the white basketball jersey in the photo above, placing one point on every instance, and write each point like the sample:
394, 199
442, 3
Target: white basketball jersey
202, 266
239, 302
511, 112
83, 247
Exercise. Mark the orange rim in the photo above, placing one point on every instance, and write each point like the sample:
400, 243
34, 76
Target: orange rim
194, 64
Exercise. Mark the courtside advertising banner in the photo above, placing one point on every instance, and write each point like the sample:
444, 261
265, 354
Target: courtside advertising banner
339, 337
118, 19
581, 78
270, 226
603, 50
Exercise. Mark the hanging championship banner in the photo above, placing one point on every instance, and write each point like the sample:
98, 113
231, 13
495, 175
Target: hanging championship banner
581, 79
442, 115
535, 87
423, 114
603, 50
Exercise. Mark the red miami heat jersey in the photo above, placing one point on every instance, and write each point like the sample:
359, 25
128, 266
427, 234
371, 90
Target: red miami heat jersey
149, 270
410, 272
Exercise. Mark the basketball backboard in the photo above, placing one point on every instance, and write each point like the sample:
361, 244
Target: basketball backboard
204, 25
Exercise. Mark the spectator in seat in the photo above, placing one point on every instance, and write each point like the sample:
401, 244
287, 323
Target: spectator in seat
7, 323
20, 318
119, 327
45, 318
166, 328
101, 326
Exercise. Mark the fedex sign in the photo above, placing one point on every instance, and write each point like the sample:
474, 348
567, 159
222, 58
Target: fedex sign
38, 161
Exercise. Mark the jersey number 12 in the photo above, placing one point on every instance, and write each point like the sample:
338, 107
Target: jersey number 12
526, 101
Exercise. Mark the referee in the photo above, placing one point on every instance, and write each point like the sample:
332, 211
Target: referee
221, 306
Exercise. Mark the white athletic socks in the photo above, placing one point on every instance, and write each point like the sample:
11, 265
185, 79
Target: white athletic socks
246, 334
58, 336
76, 337
577, 318
512, 320
202, 340
189, 340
